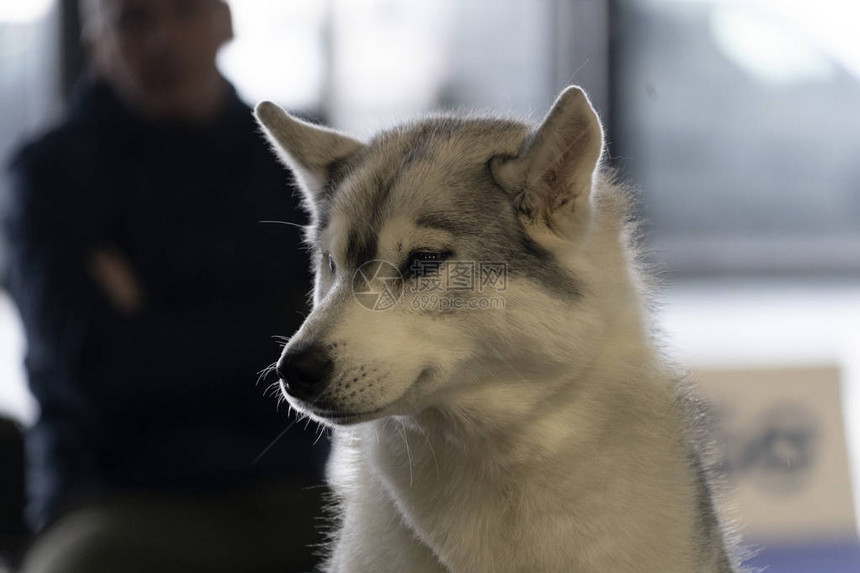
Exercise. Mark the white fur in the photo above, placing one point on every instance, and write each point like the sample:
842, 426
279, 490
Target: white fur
547, 437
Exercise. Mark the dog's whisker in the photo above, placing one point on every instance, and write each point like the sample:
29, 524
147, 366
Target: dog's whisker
273, 442
432, 452
289, 223
265, 372
402, 431
320, 433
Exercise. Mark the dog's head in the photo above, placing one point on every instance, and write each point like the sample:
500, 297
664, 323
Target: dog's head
447, 254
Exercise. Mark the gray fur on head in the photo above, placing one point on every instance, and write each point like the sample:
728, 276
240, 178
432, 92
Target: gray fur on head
311, 151
558, 164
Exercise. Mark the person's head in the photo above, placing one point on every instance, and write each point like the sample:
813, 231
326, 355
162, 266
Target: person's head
160, 54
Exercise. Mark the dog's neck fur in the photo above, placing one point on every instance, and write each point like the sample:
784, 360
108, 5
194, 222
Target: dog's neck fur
508, 452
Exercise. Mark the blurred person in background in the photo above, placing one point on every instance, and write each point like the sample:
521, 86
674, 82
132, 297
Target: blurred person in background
149, 291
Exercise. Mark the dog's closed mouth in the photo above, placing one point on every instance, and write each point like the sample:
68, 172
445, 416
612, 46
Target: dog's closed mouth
346, 418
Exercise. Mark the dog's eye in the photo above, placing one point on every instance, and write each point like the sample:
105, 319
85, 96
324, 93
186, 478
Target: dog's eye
331, 266
422, 263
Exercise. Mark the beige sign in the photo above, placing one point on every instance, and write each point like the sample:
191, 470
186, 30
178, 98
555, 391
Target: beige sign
781, 442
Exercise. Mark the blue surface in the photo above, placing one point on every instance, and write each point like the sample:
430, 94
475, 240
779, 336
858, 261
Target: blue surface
818, 558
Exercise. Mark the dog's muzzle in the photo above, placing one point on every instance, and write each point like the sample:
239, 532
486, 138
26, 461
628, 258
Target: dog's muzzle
305, 371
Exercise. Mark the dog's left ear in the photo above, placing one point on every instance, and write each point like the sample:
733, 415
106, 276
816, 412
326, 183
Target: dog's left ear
552, 176
314, 153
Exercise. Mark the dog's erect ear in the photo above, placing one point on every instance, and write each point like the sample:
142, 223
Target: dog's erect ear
314, 153
553, 173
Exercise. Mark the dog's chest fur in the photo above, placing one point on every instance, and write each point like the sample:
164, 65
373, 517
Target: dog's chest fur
578, 508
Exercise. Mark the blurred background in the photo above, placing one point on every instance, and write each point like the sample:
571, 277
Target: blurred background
738, 121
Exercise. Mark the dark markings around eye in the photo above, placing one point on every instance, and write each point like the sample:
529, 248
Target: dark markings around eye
424, 262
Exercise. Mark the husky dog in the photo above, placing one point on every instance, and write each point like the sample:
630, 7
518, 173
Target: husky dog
544, 434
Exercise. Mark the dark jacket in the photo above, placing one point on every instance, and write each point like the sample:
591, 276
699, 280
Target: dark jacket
167, 399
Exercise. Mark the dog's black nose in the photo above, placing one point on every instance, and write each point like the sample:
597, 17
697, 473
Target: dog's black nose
305, 371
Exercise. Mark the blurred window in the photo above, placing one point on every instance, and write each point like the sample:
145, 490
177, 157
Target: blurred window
29, 68
279, 52
367, 63
393, 58
29, 95
740, 121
